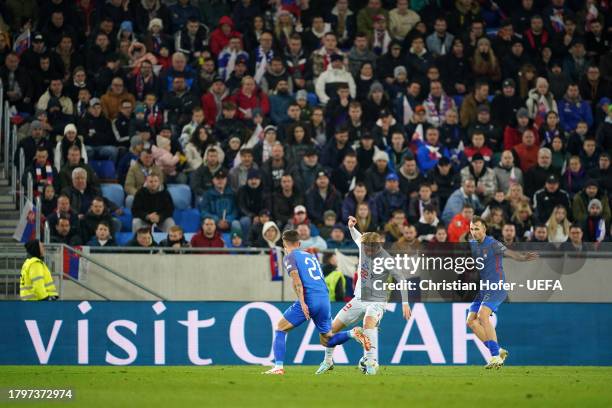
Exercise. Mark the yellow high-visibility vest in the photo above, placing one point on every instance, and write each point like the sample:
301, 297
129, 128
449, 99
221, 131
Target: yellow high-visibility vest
36, 280
331, 280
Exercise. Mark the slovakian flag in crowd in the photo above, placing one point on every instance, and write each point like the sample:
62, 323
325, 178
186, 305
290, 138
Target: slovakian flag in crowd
26, 227
72, 262
275, 263
22, 43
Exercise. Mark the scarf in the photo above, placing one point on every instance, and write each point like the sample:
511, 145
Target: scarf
42, 179
382, 39
261, 63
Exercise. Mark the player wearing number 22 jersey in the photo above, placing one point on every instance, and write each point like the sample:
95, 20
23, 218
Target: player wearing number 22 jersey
313, 302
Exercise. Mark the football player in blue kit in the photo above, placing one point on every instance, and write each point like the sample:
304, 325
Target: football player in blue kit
313, 303
488, 300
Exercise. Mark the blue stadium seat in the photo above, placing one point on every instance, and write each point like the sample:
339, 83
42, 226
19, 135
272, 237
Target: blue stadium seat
181, 196
126, 219
188, 219
122, 238
159, 236
105, 169
114, 192
227, 238
313, 100
458, 100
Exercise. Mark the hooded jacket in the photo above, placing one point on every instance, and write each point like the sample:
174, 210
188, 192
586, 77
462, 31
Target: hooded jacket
218, 40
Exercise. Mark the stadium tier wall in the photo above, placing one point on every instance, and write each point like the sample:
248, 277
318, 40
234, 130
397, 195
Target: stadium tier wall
249, 278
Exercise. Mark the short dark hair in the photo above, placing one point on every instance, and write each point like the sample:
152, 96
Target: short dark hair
143, 230
105, 223
291, 236
477, 220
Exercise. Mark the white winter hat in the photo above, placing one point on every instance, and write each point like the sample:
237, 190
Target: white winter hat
70, 128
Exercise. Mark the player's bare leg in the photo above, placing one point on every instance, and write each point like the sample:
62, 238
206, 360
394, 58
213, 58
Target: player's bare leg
279, 346
484, 319
474, 324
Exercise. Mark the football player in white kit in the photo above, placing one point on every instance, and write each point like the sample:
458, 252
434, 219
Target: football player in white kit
370, 311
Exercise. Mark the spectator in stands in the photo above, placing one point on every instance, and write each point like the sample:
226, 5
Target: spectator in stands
208, 236
549, 197
152, 206
538, 174
219, 203
270, 236
527, 151
73, 161
443, 178
575, 241
335, 74
127, 160
62, 232
250, 200
478, 146
540, 236
255, 232
143, 238
603, 173
137, 174
507, 105
375, 175
431, 150
80, 192
478, 97
440, 41
484, 177
459, 225
283, 202
61, 149
238, 175
97, 132
576, 63
604, 132
62, 208
356, 196
102, 237
41, 171
338, 240
98, 212
298, 142
112, 99
508, 238
249, 98
575, 177
175, 238
201, 179
580, 202
31, 143
394, 226
577, 137
506, 173
309, 242
513, 133
594, 226
572, 109
274, 168
55, 91
344, 177
418, 203
540, 101
17, 85
322, 196
427, 224
389, 199
466, 194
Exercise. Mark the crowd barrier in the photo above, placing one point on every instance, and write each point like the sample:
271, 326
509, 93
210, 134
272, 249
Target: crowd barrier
206, 333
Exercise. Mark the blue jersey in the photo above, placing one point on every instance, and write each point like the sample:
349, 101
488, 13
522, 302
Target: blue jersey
310, 272
492, 253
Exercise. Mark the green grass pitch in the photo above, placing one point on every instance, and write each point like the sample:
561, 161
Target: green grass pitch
244, 386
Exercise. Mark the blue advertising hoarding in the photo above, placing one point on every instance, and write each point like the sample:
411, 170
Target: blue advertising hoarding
204, 333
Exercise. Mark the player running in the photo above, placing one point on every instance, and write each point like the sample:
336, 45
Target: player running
487, 301
372, 308
313, 303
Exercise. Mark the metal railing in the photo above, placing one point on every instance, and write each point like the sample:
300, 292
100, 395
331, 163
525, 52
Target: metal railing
20, 171
6, 129
106, 268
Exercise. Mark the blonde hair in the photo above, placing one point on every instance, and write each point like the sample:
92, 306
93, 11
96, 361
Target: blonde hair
521, 207
372, 238
551, 224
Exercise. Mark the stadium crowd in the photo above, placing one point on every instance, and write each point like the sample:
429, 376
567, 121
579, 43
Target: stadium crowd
252, 117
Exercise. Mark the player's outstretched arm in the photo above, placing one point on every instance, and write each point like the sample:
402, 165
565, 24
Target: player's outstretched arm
521, 256
299, 291
356, 235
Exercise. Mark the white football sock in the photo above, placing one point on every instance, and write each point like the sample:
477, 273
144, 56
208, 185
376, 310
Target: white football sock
373, 335
329, 352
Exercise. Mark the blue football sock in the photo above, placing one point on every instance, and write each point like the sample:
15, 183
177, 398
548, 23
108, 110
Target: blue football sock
338, 338
279, 347
493, 347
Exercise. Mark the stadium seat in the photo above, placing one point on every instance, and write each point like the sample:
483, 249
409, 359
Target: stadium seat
313, 100
122, 238
114, 192
188, 219
105, 169
181, 196
126, 219
458, 100
159, 236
